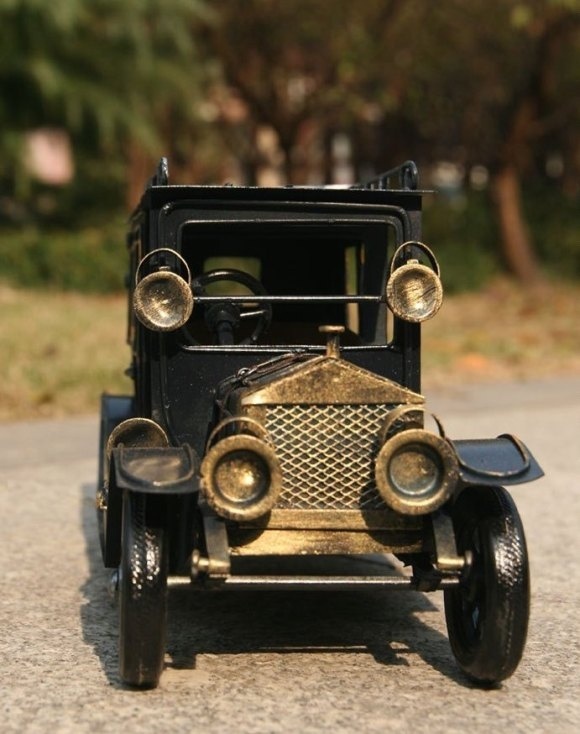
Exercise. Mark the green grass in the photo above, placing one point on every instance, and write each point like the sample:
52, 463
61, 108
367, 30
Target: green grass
88, 260
62, 350
504, 331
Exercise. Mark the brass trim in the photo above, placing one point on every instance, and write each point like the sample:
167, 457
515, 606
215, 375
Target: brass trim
253, 507
321, 542
406, 416
252, 426
333, 334
425, 249
411, 281
171, 251
447, 558
431, 501
329, 381
386, 519
173, 295
173, 288
137, 433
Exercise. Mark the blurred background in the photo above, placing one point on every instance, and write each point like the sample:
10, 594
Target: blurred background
482, 94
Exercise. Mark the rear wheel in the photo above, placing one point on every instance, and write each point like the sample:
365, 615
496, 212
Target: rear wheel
102, 489
143, 590
487, 615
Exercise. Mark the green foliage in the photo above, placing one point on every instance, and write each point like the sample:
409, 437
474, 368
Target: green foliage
554, 221
202, 81
464, 238
461, 231
96, 194
103, 69
87, 260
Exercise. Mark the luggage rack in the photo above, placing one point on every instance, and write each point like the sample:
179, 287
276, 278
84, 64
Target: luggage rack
407, 175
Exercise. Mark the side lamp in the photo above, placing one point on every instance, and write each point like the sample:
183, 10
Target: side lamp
414, 291
162, 299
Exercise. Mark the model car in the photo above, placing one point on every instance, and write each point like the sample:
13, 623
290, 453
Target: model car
277, 414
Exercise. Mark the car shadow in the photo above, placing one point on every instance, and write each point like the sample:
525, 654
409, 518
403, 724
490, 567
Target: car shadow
384, 624
98, 612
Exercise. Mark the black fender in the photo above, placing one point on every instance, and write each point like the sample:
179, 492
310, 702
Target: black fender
159, 471
156, 470
503, 460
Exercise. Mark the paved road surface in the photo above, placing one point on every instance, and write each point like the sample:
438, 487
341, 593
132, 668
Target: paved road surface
279, 661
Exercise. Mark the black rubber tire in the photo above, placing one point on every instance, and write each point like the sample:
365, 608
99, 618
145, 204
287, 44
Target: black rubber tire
487, 615
101, 520
143, 591
101, 493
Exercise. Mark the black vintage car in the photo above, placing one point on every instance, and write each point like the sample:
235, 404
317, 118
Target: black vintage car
277, 415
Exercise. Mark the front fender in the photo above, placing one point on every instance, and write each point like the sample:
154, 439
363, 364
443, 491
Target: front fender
491, 461
155, 470
165, 470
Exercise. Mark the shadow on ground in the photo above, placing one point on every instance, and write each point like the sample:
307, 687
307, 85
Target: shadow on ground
383, 624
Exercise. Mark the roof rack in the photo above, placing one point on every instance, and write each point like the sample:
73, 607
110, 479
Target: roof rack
407, 177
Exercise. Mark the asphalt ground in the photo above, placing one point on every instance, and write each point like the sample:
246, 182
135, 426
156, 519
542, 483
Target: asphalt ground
278, 661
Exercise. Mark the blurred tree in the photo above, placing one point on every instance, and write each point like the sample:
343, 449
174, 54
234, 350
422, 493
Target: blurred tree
514, 98
488, 82
291, 68
537, 109
309, 91
111, 73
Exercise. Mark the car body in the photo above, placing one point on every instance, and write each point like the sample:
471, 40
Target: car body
277, 414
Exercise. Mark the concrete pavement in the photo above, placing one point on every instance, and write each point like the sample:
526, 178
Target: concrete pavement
279, 661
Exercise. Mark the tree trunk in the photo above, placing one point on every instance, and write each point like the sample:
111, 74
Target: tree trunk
515, 236
140, 168
522, 126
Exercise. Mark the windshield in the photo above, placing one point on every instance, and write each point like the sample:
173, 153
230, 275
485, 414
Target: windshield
313, 266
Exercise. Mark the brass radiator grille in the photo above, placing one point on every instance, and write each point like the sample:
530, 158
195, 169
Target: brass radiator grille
327, 455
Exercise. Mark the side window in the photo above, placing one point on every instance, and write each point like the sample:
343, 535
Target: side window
353, 255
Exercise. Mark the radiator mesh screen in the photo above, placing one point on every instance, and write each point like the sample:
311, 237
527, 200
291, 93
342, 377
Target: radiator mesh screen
327, 454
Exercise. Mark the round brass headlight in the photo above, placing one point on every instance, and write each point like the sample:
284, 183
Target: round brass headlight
241, 477
414, 292
163, 301
416, 472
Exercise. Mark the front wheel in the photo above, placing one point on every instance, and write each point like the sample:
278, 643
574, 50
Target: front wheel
143, 590
487, 615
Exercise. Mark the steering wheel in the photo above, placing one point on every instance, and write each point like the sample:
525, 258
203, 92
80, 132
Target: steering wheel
223, 317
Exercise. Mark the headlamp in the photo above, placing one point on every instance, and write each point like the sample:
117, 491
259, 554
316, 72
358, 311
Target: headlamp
163, 300
241, 477
416, 472
414, 291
